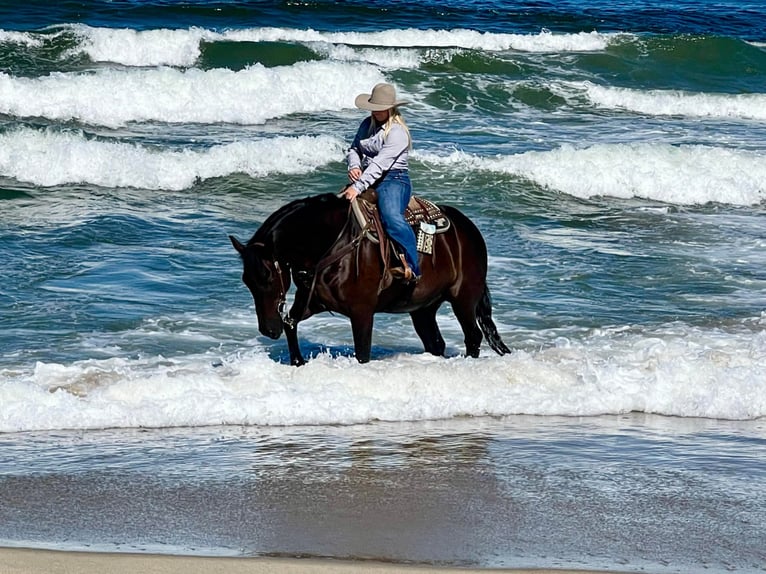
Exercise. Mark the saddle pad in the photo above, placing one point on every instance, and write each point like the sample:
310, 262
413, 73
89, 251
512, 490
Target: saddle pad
421, 210
418, 211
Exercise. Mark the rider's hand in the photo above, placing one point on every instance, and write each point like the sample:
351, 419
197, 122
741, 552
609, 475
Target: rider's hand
350, 192
354, 174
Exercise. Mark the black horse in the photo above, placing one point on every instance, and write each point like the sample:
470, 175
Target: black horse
318, 244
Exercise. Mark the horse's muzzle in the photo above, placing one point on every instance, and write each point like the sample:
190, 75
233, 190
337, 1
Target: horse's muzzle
271, 331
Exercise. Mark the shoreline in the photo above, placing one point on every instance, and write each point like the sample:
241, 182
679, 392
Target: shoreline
542, 495
38, 561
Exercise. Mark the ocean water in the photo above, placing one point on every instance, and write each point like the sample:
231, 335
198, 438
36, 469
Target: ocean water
612, 155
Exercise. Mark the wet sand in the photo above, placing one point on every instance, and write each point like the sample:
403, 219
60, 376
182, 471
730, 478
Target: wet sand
24, 561
628, 494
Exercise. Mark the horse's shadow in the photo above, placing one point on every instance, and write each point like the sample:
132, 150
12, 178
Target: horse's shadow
311, 350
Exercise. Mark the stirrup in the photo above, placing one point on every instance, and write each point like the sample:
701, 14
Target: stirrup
400, 272
405, 272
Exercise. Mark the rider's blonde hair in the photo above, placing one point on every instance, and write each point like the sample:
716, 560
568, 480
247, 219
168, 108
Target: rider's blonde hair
394, 117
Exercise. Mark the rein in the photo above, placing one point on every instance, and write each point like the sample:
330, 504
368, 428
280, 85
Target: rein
328, 259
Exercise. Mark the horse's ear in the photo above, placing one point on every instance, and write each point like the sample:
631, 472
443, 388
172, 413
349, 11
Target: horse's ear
237, 245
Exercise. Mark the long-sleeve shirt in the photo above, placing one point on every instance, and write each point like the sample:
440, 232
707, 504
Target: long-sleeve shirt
375, 155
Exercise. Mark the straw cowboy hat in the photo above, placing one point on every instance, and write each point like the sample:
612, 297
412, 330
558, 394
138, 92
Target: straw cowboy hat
383, 97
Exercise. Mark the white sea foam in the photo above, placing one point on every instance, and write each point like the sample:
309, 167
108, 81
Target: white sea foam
251, 96
391, 58
23, 38
676, 370
686, 175
130, 47
676, 102
182, 47
544, 41
50, 158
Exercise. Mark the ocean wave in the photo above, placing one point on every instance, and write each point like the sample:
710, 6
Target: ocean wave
182, 47
544, 41
676, 102
250, 96
22, 38
685, 175
176, 47
49, 158
392, 58
674, 370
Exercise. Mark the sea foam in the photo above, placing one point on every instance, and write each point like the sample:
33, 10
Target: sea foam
49, 158
677, 103
544, 41
673, 370
686, 174
23, 38
250, 96
182, 47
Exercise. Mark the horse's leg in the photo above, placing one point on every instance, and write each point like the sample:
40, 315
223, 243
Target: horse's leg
361, 326
296, 314
291, 334
465, 311
424, 321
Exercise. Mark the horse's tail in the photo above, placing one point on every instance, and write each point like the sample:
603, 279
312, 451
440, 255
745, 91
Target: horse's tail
487, 325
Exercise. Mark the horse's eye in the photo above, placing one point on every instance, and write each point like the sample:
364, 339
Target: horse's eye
263, 272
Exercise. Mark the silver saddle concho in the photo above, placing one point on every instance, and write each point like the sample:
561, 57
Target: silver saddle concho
424, 216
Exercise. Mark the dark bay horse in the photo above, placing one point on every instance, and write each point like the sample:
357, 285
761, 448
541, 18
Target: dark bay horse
316, 243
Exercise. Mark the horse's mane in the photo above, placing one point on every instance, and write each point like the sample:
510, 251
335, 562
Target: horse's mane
272, 221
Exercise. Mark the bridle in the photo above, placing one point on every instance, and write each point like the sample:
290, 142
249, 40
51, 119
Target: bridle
282, 299
328, 259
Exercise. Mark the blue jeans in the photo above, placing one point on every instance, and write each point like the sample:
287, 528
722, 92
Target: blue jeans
393, 196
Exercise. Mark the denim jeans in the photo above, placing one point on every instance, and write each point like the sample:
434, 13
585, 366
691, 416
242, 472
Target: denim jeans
393, 196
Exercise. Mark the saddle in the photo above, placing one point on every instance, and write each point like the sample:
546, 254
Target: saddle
425, 217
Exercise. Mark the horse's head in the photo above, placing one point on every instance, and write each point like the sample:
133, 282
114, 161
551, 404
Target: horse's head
268, 283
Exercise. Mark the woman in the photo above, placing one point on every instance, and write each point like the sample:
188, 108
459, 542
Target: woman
378, 157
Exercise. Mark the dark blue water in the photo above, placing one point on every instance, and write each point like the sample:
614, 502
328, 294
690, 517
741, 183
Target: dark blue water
737, 19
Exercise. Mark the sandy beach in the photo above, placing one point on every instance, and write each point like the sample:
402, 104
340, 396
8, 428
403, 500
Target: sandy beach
29, 561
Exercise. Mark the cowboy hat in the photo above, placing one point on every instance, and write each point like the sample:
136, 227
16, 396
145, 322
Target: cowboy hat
383, 97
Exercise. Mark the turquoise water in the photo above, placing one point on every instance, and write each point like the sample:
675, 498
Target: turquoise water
612, 156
